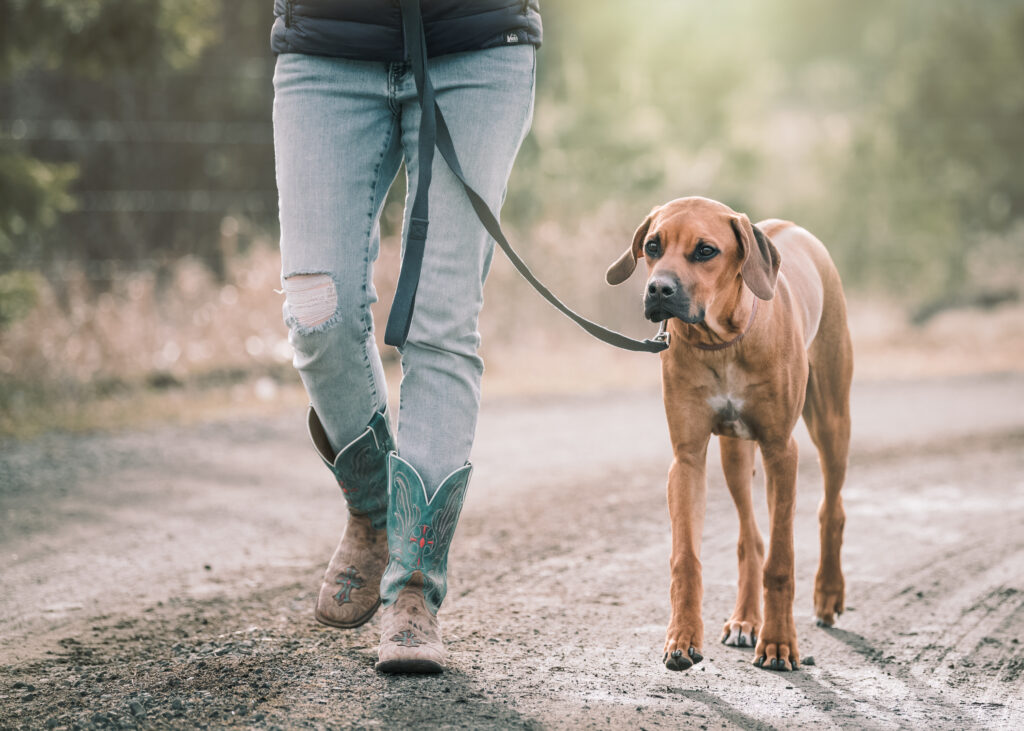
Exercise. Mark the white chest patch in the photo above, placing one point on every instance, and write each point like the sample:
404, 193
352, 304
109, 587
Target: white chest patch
728, 421
725, 402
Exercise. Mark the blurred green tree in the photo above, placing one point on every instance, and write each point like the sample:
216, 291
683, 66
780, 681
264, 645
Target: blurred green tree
930, 103
88, 38
944, 134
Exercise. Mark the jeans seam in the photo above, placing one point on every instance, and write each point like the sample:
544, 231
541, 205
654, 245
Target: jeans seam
367, 314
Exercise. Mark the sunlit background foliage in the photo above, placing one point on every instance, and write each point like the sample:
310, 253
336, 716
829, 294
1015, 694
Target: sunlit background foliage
894, 129
136, 159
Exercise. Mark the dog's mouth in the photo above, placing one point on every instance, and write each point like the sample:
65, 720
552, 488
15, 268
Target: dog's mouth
660, 311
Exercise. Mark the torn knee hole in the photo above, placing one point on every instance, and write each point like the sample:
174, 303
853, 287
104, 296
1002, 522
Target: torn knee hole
312, 299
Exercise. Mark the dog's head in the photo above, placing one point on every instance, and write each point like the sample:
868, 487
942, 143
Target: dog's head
697, 250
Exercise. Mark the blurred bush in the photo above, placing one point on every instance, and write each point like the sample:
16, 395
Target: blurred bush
32, 196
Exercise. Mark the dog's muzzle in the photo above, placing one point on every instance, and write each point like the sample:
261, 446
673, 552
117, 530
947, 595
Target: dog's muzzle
665, 298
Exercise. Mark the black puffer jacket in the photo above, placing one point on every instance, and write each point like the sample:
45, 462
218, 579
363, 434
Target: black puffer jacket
371, 30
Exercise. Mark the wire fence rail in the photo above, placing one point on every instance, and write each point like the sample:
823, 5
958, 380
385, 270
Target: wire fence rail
119, 131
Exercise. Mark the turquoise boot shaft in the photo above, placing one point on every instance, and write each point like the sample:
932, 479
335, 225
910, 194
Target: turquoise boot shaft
361, 467
420, 530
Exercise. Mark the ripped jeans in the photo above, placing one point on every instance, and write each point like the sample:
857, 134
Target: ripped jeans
341, 130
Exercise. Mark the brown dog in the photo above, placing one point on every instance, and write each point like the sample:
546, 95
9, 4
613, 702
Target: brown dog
758, 324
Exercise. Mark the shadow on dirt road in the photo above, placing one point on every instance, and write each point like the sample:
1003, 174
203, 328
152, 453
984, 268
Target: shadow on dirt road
167, 578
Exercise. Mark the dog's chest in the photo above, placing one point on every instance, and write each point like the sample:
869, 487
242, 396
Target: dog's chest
726, 401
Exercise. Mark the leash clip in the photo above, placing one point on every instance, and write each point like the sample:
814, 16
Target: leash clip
663, 336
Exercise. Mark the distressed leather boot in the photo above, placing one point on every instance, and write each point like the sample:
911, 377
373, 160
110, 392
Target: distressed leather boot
350, 592
420, 530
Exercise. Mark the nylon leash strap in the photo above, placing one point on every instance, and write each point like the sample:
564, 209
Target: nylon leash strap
434, 132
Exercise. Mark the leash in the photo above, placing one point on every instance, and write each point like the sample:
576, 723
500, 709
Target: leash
434, 132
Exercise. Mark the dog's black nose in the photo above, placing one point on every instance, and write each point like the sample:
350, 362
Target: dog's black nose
659, 287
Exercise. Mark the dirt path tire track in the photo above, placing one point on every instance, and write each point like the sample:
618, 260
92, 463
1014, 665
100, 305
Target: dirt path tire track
558, 600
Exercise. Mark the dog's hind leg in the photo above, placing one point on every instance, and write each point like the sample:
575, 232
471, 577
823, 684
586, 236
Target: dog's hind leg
827, 415
738, 464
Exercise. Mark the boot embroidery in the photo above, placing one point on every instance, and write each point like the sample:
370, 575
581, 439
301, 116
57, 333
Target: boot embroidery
366, 461
349, 580
364, 466
406, 638
420, 529
423, 543
361, 468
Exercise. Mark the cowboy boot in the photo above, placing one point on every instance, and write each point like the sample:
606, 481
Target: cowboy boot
420, 529
350, 594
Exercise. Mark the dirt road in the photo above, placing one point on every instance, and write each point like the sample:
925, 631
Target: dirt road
167, 578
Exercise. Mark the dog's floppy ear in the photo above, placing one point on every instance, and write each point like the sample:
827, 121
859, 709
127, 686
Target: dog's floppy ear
760, 268
619, 271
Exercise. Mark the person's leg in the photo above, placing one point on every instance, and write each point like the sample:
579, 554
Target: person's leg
337, 151
337, 148
487, 99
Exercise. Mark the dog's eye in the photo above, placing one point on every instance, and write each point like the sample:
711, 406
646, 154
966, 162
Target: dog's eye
652, 248
703, 252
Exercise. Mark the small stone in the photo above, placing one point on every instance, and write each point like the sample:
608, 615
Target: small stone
52, 723
177, 705
809, 660
136, 708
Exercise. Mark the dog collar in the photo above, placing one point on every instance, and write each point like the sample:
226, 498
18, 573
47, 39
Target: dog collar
722, 346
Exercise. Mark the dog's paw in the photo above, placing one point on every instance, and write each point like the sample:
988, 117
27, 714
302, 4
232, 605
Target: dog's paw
676, 660
738, 633
775, 651
828, 604
682, 648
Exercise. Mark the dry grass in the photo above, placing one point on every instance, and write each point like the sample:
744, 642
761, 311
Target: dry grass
144, 349
190, 324
195, 349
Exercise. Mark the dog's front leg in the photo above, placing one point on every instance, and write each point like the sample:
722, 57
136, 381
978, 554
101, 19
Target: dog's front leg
776, 642
687, 495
